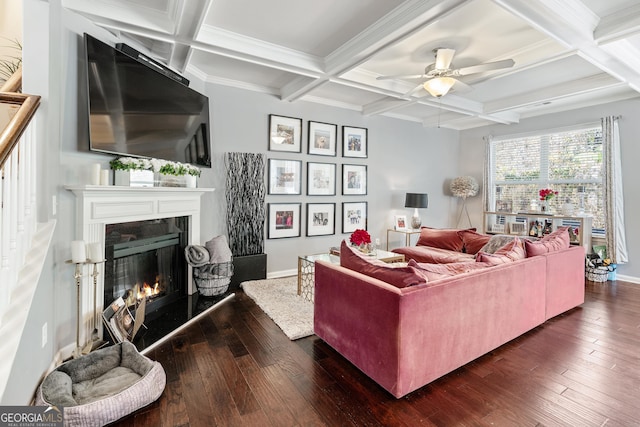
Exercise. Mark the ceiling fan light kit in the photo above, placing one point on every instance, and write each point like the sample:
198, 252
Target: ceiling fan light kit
439, 86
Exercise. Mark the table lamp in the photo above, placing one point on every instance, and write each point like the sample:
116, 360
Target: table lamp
416, 201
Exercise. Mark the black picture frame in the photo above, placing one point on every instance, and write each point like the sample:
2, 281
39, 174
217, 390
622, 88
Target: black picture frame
284, 176
285, 133
354, 180
355, 142
354, 216
322, 138
321, 219
321, 179
283, 220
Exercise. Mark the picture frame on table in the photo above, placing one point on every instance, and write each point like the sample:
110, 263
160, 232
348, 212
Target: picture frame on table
354, 142
354, 179
354, 216
321, 219
283, 220
400, 222
497, 228
285, 176
285, 133
321, 179
519, 228
323, 138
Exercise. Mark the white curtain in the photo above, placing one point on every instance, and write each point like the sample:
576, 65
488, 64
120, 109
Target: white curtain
487, 201
613, 198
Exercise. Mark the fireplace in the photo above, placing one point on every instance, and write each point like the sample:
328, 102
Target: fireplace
98, 207
145, 259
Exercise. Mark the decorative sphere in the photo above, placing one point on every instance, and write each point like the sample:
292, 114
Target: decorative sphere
464, 186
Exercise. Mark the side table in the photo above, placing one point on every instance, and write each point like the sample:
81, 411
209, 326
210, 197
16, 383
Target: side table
306, 269
407, 233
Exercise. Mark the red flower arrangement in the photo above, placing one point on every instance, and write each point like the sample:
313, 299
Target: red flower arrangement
359, 237
547, 194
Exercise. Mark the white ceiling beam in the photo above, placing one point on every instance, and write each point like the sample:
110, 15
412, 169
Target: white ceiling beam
622, 24
384, 105
571, 23
554, 93
402, 22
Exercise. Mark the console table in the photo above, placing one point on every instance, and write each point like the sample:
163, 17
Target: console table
306, 268
407, 233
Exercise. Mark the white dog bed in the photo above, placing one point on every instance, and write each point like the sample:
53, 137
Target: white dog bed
103, 386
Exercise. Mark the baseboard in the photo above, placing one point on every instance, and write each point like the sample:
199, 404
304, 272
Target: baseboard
631, 279
282, 273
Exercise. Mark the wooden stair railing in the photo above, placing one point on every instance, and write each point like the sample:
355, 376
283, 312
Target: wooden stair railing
18, 173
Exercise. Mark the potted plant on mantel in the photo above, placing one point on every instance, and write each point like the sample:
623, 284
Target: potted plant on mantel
135, 172
245, 193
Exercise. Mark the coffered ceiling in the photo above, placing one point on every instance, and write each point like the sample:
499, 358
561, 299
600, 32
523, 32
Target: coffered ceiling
568, 53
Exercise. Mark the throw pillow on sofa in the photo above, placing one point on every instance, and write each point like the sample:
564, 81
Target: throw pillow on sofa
398, 275
473, 241
512, 251
443, 238
555, 241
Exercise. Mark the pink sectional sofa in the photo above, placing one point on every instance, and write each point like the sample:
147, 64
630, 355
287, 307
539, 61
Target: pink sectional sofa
406, 334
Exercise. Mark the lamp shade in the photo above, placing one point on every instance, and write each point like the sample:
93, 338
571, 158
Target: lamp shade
439, 86
416, 200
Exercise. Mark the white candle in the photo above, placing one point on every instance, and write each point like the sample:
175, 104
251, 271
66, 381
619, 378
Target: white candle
95, 174
95, 252
78, 251
104, 177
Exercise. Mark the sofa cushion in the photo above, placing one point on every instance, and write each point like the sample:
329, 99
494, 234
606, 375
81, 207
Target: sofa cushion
512, 251
555, 241
443, 238
397, 275
433, 255
473, 241
438, 271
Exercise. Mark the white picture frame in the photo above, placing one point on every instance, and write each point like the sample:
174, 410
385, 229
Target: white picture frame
400, 222
354, 179
354, 216
354, 142
284, 220
285, 134
321, 179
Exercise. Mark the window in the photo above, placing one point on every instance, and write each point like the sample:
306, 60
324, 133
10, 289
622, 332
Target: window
569, 162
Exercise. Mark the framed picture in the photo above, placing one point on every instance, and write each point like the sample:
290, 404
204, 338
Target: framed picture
323, 138
321, 219
504, 206
284, 220
400, 222
285, 133
285, 176
321, 179
354, 142
497, 228
517, 228
354, 216
354, 179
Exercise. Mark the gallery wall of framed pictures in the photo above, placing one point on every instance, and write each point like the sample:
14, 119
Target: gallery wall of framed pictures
285, 177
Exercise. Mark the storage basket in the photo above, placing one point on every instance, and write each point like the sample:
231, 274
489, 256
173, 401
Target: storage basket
597, 274
213, 279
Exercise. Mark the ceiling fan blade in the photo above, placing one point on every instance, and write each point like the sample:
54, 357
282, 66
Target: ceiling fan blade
505, 63
412, 91
444, 58
407, 76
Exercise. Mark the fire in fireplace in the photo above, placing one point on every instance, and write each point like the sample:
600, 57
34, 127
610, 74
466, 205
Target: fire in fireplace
145, 259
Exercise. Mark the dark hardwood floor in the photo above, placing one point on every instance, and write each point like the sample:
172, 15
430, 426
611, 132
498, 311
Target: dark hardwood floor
235, 367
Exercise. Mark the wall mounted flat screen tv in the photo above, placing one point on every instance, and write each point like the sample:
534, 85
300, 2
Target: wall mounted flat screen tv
137, 111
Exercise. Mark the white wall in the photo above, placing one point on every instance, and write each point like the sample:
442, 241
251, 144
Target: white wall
472, 151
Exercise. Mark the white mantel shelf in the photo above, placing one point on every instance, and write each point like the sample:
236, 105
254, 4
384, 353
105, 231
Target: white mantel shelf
98, 205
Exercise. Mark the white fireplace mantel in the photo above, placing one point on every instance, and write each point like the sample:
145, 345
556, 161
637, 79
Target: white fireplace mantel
98, 206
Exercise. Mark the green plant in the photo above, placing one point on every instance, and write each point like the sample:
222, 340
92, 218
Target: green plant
10, 64
164, 167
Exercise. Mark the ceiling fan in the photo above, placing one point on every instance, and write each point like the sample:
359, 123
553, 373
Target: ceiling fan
440, 78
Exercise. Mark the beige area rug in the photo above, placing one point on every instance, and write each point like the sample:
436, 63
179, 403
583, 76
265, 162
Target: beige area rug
279, 299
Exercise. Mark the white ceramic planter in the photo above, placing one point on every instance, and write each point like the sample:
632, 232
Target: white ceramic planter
134, 178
